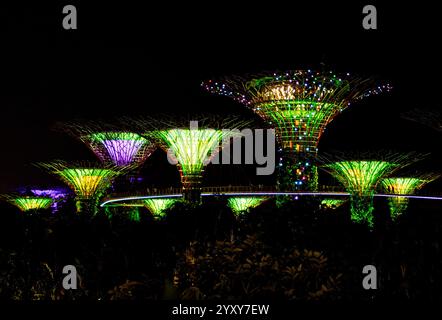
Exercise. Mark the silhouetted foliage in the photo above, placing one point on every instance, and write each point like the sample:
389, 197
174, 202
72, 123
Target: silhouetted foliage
296, 251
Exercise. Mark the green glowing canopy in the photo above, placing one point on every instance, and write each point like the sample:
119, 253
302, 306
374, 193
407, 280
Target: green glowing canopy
402, 185
32, 203
359, 177
158, 206
192, 148
87, 182
242, 204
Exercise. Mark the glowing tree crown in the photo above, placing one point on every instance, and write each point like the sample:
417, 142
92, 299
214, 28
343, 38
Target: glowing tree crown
119, 148
87, 181
242, 204
299, 104
360, 179
192, 148
28, 203
158, 206
403, 186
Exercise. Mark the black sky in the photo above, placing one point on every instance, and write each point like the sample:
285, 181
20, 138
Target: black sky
131, 60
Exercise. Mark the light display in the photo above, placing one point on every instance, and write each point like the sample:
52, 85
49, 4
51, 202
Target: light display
119, 148
299, 105
25, 203
86, 180
239, 205
403, 186
158, 206
332, 203
360, 179
192, 144
192, 149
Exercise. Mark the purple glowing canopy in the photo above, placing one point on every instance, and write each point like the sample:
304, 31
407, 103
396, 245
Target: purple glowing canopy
120, 148
54, 194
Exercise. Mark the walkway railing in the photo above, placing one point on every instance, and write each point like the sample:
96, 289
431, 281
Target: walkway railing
247, 190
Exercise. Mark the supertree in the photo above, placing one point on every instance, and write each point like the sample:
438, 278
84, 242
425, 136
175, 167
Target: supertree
360, 178
120, 148
111, 144
28, 203
239, 205
430, 118
332, 203
298, 104
158, 206
191, 143
87, 180
404, 186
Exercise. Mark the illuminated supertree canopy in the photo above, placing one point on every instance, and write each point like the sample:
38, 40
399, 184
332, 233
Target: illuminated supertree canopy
360, 179
298, 104
28, 203
193, 143
193, 149
404, 186
158, 206
115, 145
119, 148
332, 203
86, 180
239, 205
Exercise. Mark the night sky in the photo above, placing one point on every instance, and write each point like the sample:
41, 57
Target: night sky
133, 61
